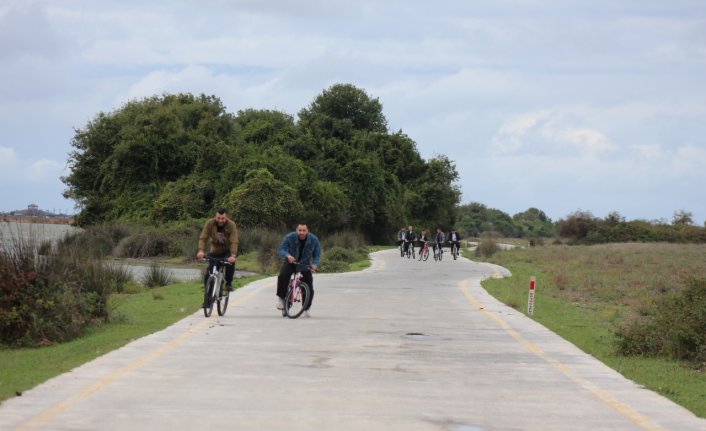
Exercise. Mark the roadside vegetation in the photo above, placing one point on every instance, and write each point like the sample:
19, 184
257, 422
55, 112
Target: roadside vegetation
638, 307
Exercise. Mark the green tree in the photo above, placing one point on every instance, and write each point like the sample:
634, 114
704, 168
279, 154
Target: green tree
533, 223
435, 194
682, 218
121, 160
186, 198
263, 201
326, 207
340, 110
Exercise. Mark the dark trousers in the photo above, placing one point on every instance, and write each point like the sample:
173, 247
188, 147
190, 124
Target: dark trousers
285, 274
229, 272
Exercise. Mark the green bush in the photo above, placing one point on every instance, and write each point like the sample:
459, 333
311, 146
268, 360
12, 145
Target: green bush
346, 239
346, 255
121, 275
144, 244
487, 247
156, 276
330, 266
50, 298
674, 327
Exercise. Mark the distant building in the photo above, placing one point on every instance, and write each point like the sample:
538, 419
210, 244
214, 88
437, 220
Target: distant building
34, 211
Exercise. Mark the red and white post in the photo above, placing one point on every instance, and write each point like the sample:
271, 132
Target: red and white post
530, 299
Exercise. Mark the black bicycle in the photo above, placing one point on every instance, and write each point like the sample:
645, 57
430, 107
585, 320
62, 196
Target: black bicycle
298, 297
410, 249
454, 250
215, 291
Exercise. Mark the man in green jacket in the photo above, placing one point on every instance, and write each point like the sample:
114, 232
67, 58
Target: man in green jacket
223, 236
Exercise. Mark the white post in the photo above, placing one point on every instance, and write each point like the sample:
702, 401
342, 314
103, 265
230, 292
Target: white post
530, 299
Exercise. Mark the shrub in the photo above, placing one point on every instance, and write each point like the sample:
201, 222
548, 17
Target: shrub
341, 254
345, 239
330, 266
487, 247
53, 297
144, 244
674, 327
121, 275
156, 276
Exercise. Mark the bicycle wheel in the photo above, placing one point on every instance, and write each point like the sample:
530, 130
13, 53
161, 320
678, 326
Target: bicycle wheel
454, 251
295, 301
223, 300
208, 297
441, 253
425, 254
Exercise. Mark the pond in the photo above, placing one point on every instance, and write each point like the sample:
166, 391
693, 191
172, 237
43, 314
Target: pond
12, 232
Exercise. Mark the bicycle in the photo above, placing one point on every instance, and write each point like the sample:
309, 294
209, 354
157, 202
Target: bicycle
438, 252
454, 250
296, 300
423, 251
215, 291
410, 253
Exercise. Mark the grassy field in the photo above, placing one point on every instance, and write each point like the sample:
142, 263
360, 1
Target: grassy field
584, 293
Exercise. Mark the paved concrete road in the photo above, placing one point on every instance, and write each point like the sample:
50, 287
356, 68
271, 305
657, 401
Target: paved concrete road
405, 345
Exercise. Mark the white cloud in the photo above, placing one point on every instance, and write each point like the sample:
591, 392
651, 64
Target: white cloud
14, 170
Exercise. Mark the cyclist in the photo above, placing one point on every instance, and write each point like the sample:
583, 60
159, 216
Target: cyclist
223, 235
455, 239
422, 240
409, 238
303, 247
400, 239
439, 240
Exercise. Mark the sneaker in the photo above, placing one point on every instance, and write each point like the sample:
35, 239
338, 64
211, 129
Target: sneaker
229, 287
306, 313
280, 303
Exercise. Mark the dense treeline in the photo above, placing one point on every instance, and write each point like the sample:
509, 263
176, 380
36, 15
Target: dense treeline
582, 227
179, 157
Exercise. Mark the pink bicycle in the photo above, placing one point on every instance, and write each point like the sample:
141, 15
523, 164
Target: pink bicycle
297, 294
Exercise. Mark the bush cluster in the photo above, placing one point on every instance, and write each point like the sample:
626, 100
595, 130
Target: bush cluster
674, 327
53, 297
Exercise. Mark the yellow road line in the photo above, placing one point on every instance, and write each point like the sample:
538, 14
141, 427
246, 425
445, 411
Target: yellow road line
636, 417
42, 419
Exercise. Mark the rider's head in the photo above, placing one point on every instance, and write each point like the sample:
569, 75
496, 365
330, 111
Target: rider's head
302, 230
409, 227
221, 216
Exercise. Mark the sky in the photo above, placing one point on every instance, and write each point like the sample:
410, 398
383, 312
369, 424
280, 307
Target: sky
559, 105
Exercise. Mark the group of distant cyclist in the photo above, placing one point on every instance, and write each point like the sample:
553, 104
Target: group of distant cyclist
407, 238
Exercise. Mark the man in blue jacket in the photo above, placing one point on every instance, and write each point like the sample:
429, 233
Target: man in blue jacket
303, 247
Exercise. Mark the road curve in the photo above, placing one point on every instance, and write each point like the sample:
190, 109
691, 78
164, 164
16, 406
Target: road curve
404, 345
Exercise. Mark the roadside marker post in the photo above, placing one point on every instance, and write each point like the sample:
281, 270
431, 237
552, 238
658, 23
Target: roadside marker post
530, 299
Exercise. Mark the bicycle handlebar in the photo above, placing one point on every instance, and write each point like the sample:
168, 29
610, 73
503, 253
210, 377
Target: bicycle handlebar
217, 260
301, 267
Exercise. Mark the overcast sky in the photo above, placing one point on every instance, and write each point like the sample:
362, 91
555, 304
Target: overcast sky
559, 105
